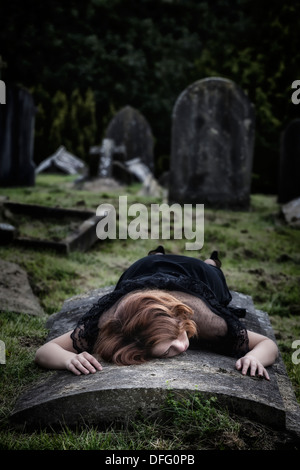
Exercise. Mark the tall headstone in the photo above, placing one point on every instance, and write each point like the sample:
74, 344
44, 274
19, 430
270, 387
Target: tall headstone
17, 119
212, 145
289, 168
130, 129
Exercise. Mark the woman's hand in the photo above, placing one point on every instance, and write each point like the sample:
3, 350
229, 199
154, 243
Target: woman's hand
252, 364
263, 352
83, 363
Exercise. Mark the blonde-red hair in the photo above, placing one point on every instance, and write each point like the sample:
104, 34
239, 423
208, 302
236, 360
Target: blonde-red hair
141, 320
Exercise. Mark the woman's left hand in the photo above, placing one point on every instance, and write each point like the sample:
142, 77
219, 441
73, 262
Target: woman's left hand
252, 364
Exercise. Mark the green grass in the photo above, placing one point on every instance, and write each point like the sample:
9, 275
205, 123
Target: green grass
193, 419
260, 256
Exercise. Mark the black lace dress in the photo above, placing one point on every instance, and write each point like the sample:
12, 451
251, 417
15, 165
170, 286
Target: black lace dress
178, 273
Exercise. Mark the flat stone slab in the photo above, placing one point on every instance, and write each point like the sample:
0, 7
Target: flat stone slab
15, 292
80, 238
119, 393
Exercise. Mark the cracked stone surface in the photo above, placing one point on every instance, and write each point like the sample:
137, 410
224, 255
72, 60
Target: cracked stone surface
119, 393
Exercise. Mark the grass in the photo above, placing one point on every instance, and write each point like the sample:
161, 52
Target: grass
48, 229
261, 257
143, 435
193, 419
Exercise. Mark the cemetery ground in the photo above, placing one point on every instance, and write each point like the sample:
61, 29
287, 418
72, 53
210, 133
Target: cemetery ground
261, 258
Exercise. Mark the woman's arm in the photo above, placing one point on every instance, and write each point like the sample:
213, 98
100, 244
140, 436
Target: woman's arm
60, 354
263, 352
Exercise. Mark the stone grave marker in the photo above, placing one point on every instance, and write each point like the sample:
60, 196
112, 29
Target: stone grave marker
100, 159
17, 119
62, 161
212, 145
130, 129
289, 168
15, 291
75, 229
291, 212
119, 393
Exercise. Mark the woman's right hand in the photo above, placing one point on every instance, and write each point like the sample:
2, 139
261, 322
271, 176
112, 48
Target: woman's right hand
83, 363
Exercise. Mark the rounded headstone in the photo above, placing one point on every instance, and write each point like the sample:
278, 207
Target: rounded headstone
212, 145
130, 130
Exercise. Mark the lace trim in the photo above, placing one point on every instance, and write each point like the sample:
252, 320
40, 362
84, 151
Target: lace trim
235, 343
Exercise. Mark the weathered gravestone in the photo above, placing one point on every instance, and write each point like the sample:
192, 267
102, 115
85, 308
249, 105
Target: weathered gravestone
289, 168
212, 145
15, 292
291, 212
17, 118
129, 129
120, 393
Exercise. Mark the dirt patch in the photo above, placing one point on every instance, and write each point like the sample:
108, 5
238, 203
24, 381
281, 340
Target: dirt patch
255, 436
97, 185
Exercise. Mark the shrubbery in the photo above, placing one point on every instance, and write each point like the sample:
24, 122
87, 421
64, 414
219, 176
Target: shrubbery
87, 60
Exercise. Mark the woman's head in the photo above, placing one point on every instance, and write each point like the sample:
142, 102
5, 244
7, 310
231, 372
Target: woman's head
144, 323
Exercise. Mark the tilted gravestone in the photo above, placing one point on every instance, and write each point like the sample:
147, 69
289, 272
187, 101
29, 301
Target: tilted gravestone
291, 212
62, 161
17, 119
289, 168
121, 393
16, 294
129, 129
212, 145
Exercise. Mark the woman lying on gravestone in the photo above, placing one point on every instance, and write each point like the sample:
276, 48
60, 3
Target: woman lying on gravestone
161, 305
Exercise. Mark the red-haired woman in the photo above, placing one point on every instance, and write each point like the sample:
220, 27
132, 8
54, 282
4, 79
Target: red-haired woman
160, 306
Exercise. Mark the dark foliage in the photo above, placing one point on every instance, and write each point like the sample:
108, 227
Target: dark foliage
144, 54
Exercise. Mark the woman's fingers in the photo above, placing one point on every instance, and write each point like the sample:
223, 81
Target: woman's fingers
84, 363
265, 374
251, 364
